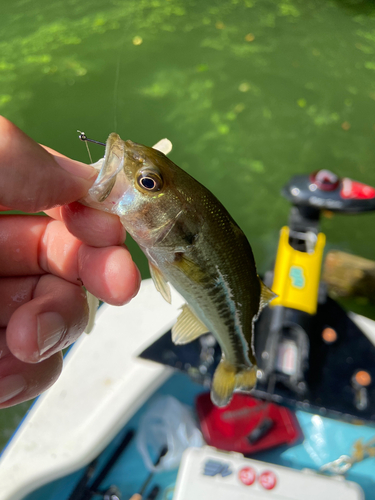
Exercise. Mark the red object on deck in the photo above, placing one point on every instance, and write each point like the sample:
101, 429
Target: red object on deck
240, 425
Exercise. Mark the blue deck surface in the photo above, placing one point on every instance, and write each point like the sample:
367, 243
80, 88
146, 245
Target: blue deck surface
325, 440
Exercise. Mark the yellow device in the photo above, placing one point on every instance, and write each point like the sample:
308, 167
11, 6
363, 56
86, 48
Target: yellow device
297, 274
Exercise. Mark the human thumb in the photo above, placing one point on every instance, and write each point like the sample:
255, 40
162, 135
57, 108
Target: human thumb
32, 179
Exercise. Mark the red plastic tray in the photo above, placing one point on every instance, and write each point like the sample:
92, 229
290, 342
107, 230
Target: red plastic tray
229, 428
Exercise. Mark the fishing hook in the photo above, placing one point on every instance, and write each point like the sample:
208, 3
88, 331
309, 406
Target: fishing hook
83, 137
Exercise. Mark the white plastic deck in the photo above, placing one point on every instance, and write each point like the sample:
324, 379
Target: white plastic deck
76, 418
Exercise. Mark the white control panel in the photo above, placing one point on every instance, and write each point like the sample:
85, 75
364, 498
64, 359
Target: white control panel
207, 473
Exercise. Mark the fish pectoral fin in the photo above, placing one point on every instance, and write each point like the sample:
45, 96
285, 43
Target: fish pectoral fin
111, 166
160, 283
93, 303
266, 295
188, 327
228, 378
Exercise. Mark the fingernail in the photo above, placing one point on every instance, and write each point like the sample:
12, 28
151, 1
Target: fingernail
10, 386
76, 167
51, 329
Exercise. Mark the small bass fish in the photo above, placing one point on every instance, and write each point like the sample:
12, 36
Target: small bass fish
191, 242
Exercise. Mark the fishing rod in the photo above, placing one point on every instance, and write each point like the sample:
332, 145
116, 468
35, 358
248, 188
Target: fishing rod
139, 495
85, 492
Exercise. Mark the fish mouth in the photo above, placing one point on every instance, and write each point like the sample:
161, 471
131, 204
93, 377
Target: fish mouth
111, 183
112, 190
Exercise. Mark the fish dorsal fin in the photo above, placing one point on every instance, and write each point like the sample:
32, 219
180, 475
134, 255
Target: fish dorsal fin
266, 295
188, 327
160, 283
164, 146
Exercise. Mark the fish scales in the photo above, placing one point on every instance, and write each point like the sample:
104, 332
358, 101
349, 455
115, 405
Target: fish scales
192, 243
230, 277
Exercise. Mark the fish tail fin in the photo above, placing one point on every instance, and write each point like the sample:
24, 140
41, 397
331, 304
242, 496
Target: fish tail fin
227, 379
246, 379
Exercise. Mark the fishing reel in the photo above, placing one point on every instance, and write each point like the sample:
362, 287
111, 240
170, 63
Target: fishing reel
310, 354
324, 190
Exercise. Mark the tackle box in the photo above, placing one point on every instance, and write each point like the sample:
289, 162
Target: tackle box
207, 473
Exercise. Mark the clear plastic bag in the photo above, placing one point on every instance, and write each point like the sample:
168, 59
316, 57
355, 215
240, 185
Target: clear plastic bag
166, 424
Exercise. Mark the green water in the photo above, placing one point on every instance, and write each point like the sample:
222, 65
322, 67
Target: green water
250, 92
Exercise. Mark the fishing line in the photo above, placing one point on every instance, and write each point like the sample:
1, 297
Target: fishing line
82, 137
115, 91
117, 79
88, 151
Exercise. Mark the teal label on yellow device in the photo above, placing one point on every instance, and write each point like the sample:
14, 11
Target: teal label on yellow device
297, 275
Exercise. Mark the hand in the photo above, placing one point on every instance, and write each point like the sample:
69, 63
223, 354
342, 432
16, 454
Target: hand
44, 261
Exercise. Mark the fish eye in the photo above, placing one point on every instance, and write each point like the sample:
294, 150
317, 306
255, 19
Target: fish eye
151, 181
147, 183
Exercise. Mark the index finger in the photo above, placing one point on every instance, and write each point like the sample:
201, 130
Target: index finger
91, 226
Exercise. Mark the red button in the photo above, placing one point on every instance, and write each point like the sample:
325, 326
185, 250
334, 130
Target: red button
247, 475
268, 480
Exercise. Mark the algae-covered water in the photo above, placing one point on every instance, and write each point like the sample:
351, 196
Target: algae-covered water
250, 92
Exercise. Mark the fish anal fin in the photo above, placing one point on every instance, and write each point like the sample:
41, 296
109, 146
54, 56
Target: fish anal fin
160, 283
188, 327
228, 378
266, 295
